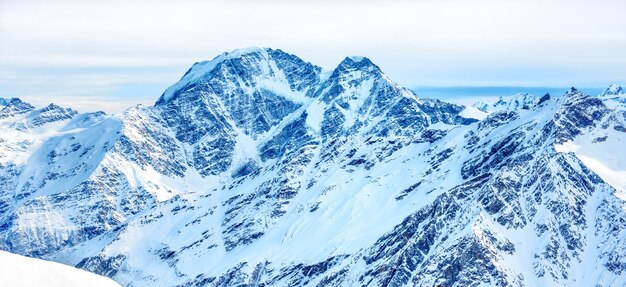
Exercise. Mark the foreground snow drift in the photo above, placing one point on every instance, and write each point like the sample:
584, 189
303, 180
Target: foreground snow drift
20, 271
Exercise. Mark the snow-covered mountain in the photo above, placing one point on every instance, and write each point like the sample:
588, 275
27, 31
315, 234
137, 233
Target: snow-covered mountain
612, 91
260, 169
614, 96
510, 103
20, 271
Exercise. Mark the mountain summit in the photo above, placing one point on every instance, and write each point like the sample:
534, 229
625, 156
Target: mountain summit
260, 169
612, 90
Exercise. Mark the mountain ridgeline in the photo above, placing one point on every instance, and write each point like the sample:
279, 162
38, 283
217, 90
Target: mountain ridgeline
260, 169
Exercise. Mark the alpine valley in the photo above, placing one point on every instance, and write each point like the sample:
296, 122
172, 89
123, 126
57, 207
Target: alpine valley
260, 169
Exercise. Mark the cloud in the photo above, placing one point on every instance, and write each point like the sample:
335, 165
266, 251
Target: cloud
83, 103
417, 43
111, 89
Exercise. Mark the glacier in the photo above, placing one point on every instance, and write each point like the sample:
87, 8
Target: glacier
261, 169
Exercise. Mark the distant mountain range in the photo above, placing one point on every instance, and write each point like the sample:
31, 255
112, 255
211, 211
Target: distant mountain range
465, 95
260, 169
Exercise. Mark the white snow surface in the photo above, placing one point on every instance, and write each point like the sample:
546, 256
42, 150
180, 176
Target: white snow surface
315, 115
21, 271
599, 150
473, 113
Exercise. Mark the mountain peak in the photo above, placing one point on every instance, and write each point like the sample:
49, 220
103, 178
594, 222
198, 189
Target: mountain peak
262, 64
200, 69
15, 101
249, 50
572, 92
14, 107
612, 90
358, 58
352, 63
544, 98
52, 106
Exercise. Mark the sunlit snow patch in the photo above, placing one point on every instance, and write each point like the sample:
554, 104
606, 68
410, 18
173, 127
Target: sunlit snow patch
20, 271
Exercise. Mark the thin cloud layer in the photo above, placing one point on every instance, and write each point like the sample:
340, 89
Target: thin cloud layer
417, 43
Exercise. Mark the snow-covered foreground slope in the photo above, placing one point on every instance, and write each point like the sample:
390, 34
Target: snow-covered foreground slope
259, 169
20, 271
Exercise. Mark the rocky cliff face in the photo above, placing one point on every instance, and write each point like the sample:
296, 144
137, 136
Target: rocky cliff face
259, 169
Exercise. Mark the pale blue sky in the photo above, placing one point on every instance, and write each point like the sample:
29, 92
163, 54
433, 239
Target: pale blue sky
110, 54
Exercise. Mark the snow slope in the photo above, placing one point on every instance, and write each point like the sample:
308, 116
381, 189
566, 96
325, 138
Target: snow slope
260, 169
20, 271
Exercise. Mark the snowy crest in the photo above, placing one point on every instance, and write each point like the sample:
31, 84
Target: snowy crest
612, 91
